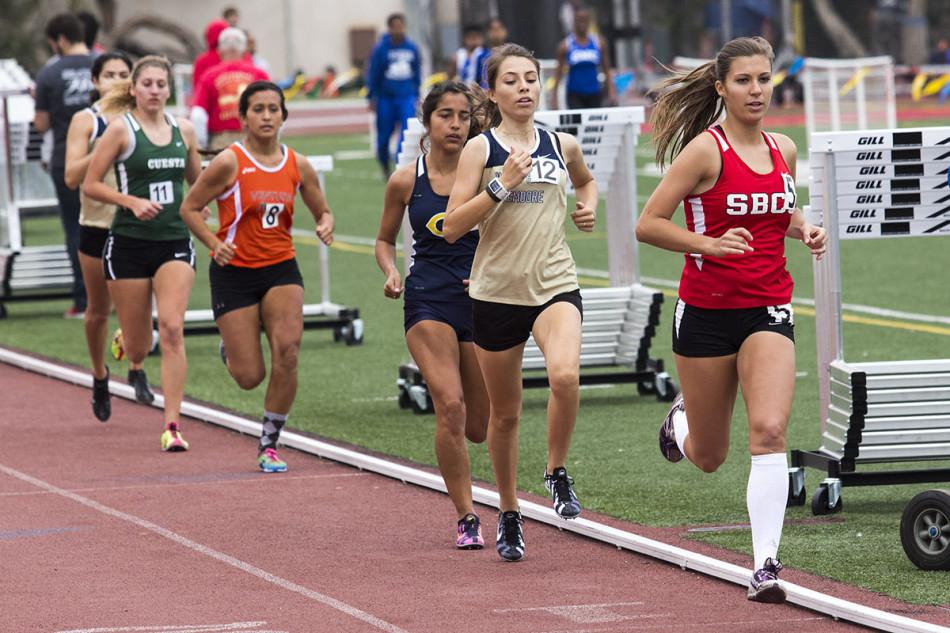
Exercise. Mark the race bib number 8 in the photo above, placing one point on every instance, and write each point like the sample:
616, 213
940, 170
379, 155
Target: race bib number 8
544, 170
161, 192
270, 218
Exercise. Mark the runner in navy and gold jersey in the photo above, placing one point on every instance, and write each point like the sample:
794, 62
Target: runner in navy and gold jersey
733, 324
511, 183
148, 249
438, 312
254, 276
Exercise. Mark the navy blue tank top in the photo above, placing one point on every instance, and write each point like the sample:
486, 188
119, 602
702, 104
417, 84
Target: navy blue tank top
438, 267
583, 65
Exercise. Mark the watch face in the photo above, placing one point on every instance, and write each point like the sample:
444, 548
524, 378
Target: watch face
495, 187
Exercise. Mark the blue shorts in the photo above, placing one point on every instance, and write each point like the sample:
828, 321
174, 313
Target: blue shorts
457, 314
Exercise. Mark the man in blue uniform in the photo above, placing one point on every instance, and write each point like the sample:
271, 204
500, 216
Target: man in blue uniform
583, 55
393, 83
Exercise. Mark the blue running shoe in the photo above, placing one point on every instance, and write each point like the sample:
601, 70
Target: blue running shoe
765, 586
510, 542
668, 446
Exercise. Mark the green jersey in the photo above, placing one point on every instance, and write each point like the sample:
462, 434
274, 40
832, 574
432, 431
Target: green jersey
156, 173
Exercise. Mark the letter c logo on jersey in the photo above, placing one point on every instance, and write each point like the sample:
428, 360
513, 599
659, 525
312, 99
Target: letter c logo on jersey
762, 203
435, 224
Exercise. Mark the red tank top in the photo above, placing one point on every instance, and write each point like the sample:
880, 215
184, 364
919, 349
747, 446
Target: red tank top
761, 203
256, 213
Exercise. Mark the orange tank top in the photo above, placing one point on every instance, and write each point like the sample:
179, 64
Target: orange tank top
256, 212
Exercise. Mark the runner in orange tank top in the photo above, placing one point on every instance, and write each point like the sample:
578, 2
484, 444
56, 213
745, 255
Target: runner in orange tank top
254, 276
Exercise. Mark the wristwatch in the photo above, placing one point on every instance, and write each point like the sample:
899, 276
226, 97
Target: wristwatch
496, 190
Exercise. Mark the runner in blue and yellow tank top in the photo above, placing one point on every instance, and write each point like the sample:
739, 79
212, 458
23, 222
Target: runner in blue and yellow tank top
438, 312
149, 248
511, 183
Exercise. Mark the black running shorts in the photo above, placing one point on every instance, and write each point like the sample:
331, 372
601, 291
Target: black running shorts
234, 287
501, 326
132, 258
700, 332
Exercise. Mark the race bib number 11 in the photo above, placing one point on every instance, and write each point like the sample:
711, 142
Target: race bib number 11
161, 192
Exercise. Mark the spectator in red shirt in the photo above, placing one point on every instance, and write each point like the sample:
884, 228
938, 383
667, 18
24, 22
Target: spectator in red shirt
215, 108
210, 57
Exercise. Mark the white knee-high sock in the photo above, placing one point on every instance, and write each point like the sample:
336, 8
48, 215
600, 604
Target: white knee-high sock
766, 497
680, 430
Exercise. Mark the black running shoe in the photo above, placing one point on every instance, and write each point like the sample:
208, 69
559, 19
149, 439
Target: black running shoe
101, 399
561, 488
510, 543
143, 393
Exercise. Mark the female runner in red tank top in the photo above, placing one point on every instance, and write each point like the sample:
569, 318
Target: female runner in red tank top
733, 320
254, 276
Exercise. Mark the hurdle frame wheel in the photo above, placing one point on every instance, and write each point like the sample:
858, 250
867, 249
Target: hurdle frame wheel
346, 323
619, 321
873, 184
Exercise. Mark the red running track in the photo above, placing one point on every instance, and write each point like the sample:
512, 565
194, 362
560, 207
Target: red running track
101, 532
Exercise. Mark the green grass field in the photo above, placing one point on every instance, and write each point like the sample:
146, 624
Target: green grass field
348, 393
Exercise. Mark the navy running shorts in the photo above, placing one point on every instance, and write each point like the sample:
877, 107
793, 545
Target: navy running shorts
456, 314
132, 258
235, 287
701, 332
501, 326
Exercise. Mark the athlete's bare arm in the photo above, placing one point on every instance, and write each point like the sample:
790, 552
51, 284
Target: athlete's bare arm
398, 190
112, 144
78, 155
213, 181
467, 205
314, 199
193, 163
585, 187
694, 171
814, 237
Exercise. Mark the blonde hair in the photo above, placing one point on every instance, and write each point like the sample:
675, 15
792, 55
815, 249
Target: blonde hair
486, 111
119, 98
688, 102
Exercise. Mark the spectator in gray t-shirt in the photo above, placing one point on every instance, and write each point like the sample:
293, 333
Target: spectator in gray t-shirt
62, 89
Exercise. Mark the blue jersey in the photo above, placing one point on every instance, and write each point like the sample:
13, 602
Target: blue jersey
394, 69
438, 267
583, 64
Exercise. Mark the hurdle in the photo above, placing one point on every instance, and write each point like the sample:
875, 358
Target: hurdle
27, 273
848, 94
865, 185
619, 321
345, 321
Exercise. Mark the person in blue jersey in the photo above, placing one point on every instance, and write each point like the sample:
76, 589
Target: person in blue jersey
512, 185
438, 312
583, 56
393, 84
469, 57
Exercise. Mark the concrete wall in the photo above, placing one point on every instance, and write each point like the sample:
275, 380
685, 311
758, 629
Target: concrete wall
307, 34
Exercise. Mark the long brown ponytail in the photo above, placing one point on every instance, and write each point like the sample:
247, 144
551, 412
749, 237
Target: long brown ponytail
688, 102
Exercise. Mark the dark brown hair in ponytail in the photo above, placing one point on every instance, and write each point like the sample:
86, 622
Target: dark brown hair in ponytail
688, 102
431, 103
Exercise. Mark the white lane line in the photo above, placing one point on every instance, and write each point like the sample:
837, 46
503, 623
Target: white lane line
216, 482
181, 628
720, 626
316, 596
